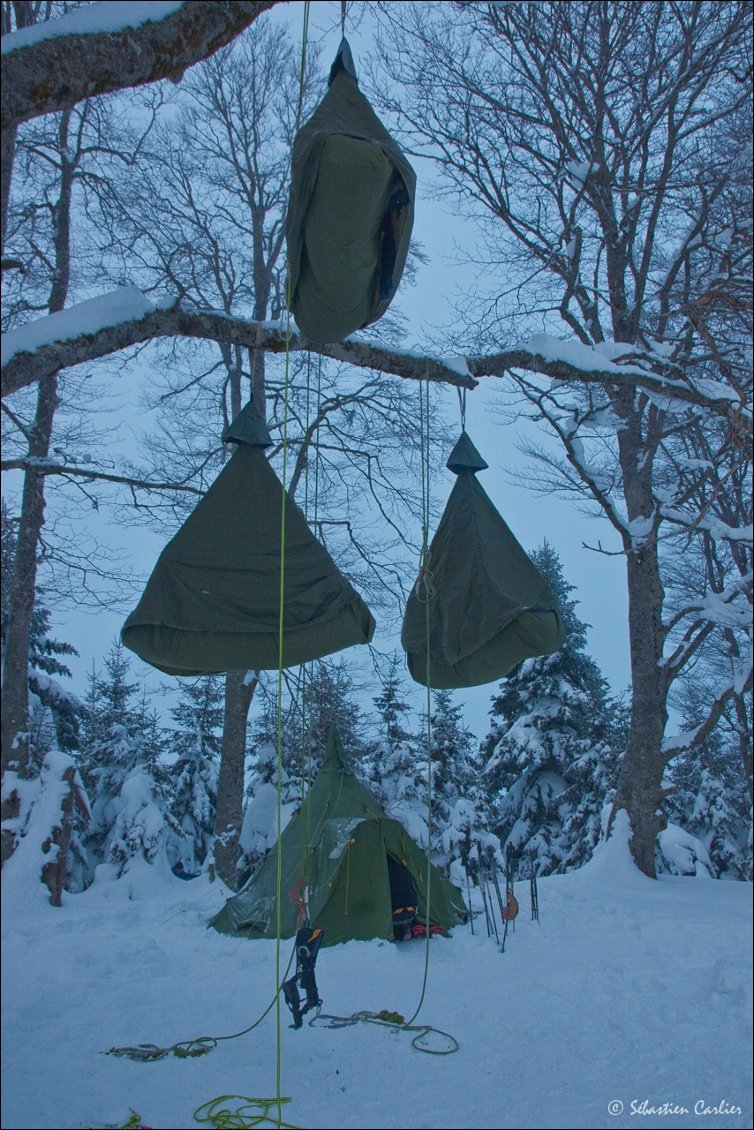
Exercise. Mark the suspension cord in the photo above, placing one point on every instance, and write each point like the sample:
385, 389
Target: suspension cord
281, 624
429, 593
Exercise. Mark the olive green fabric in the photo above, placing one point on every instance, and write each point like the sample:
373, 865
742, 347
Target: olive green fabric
488, 605
350, 212
213, 600
337, 844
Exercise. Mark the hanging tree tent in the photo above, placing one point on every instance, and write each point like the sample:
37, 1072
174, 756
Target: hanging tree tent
350, 212
343, 846
480, 606
212, 602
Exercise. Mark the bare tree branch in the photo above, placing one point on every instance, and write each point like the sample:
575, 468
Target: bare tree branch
46, 467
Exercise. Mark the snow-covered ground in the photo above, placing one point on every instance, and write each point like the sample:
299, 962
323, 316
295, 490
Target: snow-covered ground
627, 1004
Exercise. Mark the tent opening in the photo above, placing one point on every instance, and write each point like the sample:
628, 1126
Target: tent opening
402, 897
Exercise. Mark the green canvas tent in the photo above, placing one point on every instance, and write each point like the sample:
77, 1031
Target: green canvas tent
350, 212
489, 607
342, 844
212, 602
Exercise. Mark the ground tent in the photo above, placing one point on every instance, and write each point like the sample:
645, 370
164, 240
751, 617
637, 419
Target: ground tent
343, 846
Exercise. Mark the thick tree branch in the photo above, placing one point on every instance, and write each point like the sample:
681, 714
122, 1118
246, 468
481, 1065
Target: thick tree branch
29, 367
56, 73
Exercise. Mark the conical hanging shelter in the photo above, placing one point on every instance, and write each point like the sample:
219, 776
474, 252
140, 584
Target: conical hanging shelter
344, 848
350, 212
488, 606
212, 602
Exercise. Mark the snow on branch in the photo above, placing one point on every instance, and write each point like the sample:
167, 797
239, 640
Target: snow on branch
107, 47
125, 317
572, 361
689, 739
115, 321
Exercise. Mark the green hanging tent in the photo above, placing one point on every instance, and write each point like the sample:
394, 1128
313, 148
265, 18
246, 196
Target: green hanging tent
343, 846
212, 602
488, 606
350, 212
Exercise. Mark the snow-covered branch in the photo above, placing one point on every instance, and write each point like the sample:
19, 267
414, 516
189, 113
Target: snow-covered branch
107, 47
125, 317
691, 739
572, 361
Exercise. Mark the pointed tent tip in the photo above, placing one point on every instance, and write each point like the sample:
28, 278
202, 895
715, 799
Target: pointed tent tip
343, 61
465, 457
249, 428
335, 758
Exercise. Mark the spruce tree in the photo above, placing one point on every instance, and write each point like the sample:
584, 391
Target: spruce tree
459, 807
551, 756
395, 763
708, 799
127, 781
196, 745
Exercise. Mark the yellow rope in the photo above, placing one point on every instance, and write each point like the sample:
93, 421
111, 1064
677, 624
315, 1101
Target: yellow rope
248, 1112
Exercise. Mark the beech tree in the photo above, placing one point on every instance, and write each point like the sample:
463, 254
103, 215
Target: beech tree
598, 146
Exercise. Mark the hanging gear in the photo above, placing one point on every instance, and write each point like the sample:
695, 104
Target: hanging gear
511, 902
308, 942
533, 894
490, 606
350, 212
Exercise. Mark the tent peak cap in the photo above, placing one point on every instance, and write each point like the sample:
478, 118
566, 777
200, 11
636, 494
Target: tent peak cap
248, 427
465, 457
343, 61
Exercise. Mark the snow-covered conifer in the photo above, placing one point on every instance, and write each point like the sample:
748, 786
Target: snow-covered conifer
195, 743
551, 754
128, 783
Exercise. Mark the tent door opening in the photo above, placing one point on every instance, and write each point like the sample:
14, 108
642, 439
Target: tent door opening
402, 898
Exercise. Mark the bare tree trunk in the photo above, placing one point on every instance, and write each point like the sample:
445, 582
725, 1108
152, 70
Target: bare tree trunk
54, 872
15, 715
644, 761
239, 691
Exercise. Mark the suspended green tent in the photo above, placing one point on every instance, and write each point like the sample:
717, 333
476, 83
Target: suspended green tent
342, 845
488, 605
212, 602
350, 212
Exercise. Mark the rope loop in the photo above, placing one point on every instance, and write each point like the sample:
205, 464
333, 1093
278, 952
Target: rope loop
395, 1020
248, 1112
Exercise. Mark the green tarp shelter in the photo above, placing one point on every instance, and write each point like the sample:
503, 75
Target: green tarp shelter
350, 212
489, 607
212, 602
338, 843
